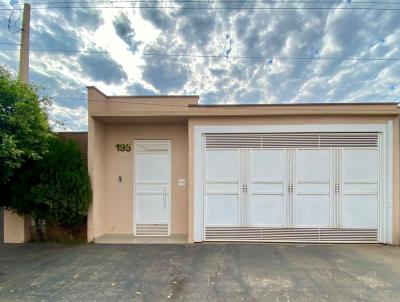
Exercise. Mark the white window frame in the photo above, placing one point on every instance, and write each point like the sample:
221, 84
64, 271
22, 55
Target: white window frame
386, 173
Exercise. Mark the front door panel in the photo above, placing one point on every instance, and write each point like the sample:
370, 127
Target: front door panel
152, 188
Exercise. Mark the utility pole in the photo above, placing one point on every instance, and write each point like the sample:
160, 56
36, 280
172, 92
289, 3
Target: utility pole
17, 228
24, 48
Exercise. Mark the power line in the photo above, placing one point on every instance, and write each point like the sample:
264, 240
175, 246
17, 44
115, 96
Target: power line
272, 57
221, 8
217, 56
58, 50
217, 2
208, 8
220, 1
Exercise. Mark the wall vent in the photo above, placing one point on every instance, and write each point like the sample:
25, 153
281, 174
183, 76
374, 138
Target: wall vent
152, 229
291, 140
263, 234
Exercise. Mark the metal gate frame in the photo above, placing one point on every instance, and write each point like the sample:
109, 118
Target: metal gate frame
386, 172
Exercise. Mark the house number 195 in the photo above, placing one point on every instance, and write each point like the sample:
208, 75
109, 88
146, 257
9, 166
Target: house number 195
123, 147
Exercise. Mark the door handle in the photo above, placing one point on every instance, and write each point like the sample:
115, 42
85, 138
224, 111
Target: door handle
164, 197
244, 188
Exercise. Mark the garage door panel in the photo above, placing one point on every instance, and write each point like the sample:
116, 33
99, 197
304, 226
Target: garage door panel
313, 188
360, 211
312, 196
222, 210
360, 165
267, 165
360, 188
267, 210
259, 188
228, 188
313, 165
267, 177
312, 211
222, 187
222, 165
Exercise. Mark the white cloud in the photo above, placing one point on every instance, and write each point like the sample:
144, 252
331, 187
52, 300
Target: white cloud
280, 33
74, 118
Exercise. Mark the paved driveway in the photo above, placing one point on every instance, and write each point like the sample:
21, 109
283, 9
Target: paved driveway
205, 272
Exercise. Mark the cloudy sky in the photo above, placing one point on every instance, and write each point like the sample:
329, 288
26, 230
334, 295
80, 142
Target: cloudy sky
117, 41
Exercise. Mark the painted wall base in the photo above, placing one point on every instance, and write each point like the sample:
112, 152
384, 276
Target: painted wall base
16, 228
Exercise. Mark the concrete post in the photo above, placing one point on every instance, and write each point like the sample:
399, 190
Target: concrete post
24, 50
17, 228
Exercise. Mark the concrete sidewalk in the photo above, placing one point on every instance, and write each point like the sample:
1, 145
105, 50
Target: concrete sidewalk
204, 272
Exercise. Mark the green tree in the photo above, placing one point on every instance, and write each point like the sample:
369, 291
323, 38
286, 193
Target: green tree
24, 128
55, 188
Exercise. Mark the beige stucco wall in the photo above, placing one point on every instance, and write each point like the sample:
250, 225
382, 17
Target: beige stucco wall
299, 120
96, 158
116, 210
16, 228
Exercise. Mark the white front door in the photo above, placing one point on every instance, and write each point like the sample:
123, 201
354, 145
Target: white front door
152, 187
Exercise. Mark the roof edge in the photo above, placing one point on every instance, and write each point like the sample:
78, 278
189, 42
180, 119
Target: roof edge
144, 96
154, 96
97, 89
294, 104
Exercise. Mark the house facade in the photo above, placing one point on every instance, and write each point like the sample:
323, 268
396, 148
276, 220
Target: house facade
169, 167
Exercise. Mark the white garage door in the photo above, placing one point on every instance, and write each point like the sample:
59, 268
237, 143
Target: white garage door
311, 187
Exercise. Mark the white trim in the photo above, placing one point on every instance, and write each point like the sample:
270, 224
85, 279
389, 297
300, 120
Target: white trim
388, 238
292, 128
134, 188
135, 152
201, 130
198, 186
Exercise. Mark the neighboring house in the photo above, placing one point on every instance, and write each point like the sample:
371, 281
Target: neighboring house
80, 137
168, 166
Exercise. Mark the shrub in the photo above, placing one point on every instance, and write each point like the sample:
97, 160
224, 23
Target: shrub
24, 128
55, 188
